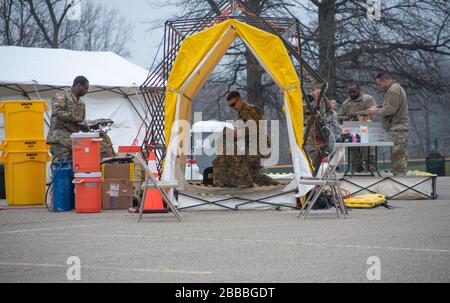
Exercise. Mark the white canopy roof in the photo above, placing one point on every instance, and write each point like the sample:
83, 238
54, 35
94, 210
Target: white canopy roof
58, 67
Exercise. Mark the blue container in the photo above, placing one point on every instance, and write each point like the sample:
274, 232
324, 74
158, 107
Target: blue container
63, 188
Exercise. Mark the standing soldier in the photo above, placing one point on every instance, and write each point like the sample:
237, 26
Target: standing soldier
241, 170
352, 109
311, 146
68, 111
395, 120
332, 119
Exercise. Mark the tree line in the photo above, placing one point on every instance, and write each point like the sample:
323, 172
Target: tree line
45, 23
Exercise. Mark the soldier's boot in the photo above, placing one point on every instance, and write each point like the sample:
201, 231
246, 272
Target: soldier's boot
219, 172
356, 160
246, 185
262, 180
243, 181
218, 177
368, 160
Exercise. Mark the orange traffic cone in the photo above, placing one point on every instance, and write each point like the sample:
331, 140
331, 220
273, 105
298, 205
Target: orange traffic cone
153, 202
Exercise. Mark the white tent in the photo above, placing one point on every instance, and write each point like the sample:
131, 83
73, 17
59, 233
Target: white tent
38, 73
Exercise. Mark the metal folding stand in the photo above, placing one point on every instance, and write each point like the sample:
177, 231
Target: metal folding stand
328, 179
154, 184
287, 28
363, 189
368, 164
373, 171
245, 200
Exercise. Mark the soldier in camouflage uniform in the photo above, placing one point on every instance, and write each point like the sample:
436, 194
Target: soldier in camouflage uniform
241, 170
354, 107
332, 121
67, 113
395, 119
309, 145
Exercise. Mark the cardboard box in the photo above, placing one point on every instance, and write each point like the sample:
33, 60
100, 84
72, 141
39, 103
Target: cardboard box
138, 172
117, 194
118, 170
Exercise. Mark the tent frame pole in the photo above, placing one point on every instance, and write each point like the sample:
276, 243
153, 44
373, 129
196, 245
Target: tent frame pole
175, 31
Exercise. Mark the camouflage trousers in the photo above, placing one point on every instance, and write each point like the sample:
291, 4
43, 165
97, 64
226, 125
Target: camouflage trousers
239, 171
399, 154
60, 152
106, 146
361, 160
311, 150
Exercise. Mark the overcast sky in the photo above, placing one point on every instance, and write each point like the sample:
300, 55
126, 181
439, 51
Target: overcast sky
143, 16
146, 14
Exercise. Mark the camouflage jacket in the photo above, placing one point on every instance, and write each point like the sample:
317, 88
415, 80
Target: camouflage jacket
251, 112
67, 112
247, 113
356, 107
395, 108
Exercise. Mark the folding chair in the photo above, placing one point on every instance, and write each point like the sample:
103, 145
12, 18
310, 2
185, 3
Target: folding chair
152, 183
328, 179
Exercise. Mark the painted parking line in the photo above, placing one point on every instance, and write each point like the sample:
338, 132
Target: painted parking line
48, 228
263, 241
115, 268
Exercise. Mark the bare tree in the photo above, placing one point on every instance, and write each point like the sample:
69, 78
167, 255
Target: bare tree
244, 71
17, 26
103, 29
50, 17
410, 39
44, 23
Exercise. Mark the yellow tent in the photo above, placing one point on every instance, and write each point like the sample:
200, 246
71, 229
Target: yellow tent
199, 54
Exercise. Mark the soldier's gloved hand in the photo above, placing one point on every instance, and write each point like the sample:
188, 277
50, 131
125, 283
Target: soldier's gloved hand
83, 126
372, 110
363, 113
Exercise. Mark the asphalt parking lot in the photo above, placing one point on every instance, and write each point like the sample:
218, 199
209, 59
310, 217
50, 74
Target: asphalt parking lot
411, 242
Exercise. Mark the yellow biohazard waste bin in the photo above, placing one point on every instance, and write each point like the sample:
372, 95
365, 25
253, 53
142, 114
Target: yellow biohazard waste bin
25, 176
23, 119
24, 145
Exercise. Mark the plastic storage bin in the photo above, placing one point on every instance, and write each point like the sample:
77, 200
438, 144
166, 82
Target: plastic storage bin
24, 145
88, 192
63, 187
24, 118
86, 152
25, 176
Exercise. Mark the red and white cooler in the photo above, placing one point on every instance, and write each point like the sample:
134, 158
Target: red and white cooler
88, 192
86, 152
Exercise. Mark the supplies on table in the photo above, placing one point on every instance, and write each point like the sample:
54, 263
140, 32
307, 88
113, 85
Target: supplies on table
371, 131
